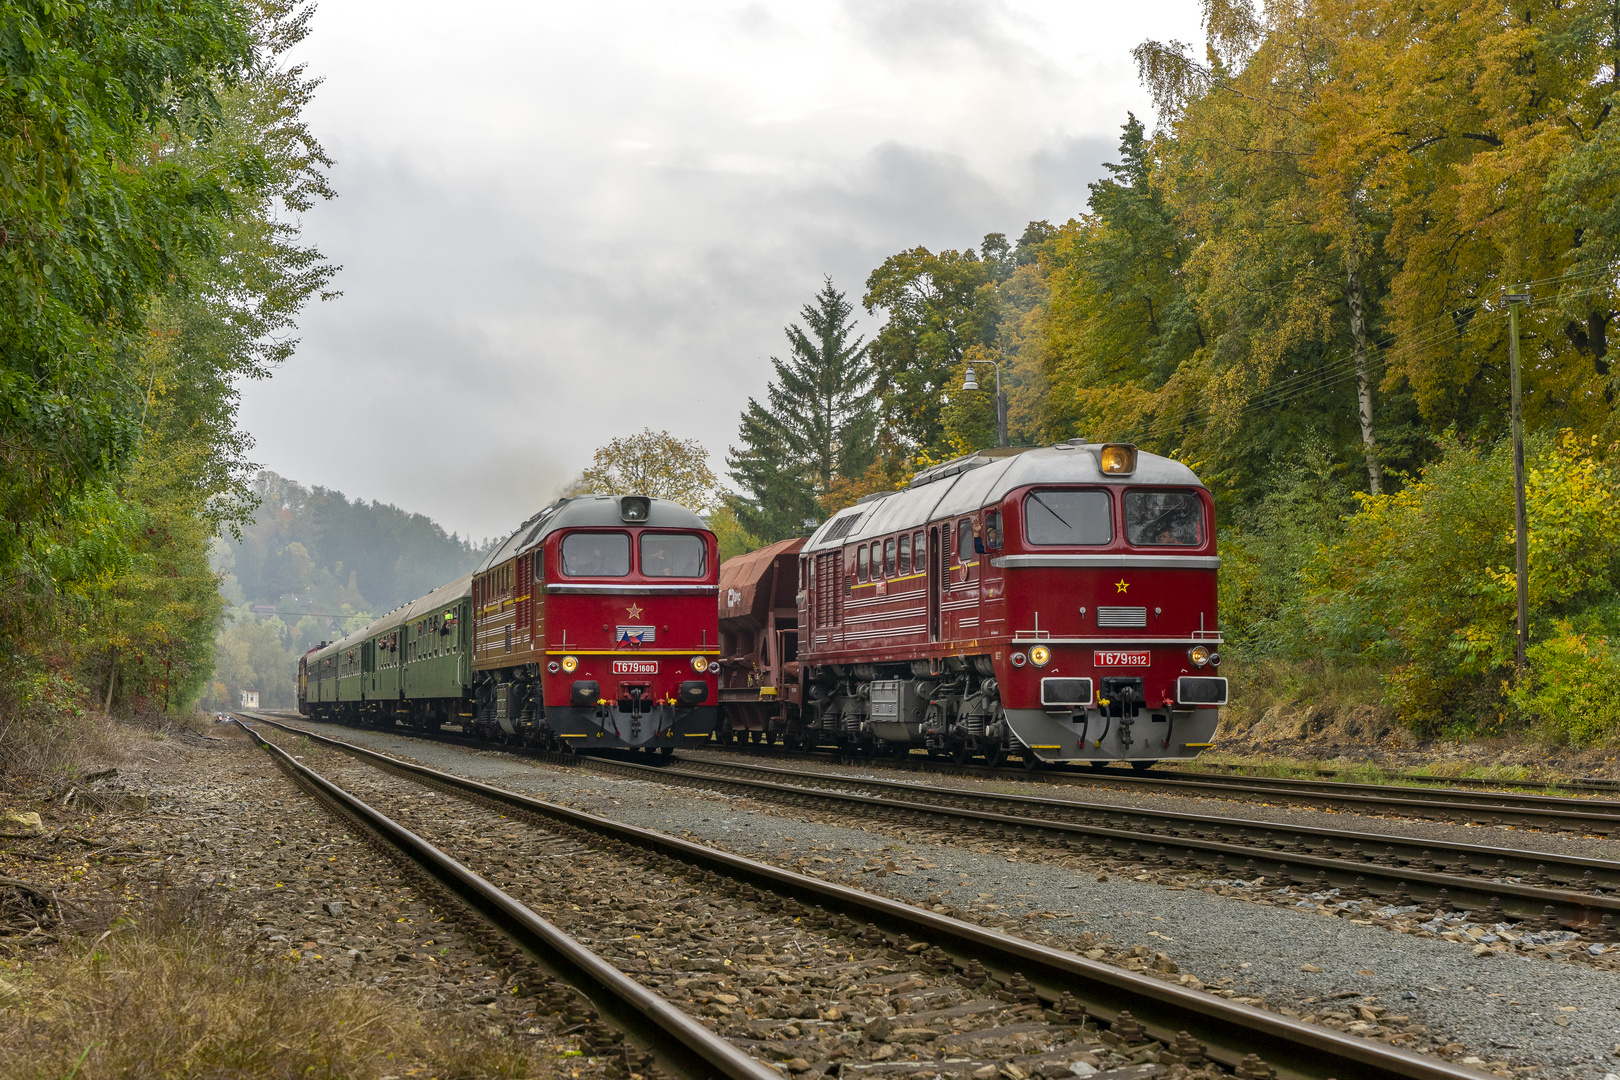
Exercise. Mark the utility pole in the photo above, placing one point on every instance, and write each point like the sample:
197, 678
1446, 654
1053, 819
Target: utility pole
1521, 524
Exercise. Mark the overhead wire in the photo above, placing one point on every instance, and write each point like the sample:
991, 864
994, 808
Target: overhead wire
1344, 368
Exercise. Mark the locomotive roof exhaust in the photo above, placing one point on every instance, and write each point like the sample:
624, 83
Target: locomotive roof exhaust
634, 508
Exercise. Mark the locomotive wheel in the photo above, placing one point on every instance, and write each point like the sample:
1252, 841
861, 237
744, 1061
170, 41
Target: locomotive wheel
961, 754
667, 751
1143, 766
995, 755
1097, 766
1032, 762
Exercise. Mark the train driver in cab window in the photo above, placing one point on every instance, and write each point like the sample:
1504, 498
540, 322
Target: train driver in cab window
596, 554
683, 555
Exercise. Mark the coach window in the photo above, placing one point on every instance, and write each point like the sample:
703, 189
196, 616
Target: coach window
596, 554
1068, 518
1164, 519
673, 555
905, 555
861, 563
888, 557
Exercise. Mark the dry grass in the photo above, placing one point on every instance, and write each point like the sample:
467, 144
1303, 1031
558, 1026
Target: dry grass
40, 749
174, 988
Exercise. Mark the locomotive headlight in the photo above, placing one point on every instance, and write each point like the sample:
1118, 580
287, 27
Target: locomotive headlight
554, 667
1039, 655
1018, 659
700, 664
1198, 655
570, 664
1118, 459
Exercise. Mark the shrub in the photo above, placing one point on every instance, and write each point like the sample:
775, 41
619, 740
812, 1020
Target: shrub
1422, 581
1573, 693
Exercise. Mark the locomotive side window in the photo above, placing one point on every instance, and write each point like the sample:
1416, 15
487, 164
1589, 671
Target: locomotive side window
964, 541
905, 555
673, 555
596, 554
1163, 518
1068, 518
862, 562
919, 549
992, 530
888, 557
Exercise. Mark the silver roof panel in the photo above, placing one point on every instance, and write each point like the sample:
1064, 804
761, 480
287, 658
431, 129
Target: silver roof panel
970, 483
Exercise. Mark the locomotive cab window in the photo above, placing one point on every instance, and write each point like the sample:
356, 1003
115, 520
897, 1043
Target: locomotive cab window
862, 562
596, 554
1164, 519
673, 555
919, 549
964, 541
992, 531
1068, 518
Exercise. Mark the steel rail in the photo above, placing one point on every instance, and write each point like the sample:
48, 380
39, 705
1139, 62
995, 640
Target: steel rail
1400, 885
1551, 812
1230, 1031
1583, 783
680, 1041
1576, 871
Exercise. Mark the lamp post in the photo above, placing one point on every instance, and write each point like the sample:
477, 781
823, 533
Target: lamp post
971, 382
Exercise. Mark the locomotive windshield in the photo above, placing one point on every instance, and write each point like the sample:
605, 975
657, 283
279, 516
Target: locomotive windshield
1163, 518
596, 554
1068, 518
673, 555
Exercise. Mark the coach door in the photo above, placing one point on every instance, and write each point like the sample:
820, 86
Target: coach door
938, 575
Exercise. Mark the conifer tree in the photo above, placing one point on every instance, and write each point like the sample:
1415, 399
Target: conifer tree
816, 425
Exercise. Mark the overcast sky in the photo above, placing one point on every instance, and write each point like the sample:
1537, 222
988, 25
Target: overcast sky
561, 223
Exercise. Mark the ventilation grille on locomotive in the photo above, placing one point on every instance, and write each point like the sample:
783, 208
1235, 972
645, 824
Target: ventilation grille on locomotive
842, 526
1121, 616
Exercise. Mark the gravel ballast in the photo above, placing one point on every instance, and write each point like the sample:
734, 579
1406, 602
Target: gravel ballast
1507, 1012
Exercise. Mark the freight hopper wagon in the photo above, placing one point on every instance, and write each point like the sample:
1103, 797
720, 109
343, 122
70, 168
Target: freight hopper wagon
759, 645
594, 627
1055, 603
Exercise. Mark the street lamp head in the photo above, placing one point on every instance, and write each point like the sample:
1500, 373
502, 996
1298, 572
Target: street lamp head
972, 380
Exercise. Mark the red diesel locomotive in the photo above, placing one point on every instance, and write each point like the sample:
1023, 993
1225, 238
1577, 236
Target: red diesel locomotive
591, 627
1055, 603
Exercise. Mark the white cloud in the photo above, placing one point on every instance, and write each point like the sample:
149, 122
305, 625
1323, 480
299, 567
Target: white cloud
562, 223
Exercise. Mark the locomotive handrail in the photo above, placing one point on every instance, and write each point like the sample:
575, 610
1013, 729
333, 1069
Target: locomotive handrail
621, 590
1141, 562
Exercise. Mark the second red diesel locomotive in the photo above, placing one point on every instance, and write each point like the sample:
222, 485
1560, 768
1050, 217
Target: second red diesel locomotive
1055, 603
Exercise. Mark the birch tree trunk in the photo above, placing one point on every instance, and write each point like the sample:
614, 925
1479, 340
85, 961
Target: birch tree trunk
1357, 299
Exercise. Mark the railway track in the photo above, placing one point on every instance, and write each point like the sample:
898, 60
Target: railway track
680, 1043
1132, 1017
1555, 813
1498, 883
1513, 884
1550, 813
